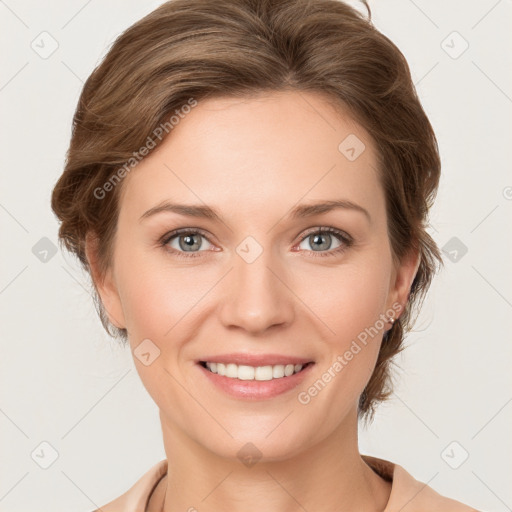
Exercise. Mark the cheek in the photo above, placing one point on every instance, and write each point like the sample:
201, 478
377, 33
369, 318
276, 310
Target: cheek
154, 295
352, 312
349, 299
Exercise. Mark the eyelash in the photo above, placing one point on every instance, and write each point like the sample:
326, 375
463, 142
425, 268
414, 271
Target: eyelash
343, 237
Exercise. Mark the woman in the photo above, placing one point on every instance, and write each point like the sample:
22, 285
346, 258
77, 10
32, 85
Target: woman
248, 183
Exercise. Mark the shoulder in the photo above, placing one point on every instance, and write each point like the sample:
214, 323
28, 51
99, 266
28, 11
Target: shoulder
415, 495
137, 496
411, 495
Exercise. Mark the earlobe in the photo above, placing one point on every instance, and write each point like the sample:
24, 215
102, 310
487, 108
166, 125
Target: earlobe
104, 284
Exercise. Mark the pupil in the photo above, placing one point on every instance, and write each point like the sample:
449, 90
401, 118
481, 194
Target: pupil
318, 237
187, 242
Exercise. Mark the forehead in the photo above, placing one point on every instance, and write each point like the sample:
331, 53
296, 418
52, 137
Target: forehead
256, 152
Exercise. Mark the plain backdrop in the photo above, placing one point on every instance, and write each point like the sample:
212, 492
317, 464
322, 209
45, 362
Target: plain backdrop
77, 428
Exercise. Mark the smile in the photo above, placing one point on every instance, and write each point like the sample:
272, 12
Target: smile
261, 373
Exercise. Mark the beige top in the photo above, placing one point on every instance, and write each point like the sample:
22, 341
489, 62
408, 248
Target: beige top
407, 493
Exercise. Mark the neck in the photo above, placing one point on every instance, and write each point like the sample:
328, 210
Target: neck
328, 476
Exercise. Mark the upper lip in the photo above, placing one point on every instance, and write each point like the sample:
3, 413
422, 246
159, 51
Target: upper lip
255, 359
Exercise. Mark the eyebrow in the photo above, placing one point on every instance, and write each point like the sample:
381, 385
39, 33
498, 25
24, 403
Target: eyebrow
301, 211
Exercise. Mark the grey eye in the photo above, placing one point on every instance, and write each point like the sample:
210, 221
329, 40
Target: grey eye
188, 242
320, 241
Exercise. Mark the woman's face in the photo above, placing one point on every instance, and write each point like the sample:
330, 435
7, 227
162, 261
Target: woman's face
257, 280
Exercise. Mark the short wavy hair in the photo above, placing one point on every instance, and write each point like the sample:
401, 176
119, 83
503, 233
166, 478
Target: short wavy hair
203, 49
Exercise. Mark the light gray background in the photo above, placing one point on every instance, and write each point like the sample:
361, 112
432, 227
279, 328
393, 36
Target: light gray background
64, 382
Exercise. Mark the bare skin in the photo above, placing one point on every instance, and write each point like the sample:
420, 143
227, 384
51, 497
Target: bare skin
254, 160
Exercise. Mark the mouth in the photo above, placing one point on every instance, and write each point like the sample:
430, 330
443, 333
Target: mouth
254, 373
251, 376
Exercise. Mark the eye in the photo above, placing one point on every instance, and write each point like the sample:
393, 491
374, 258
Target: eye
321, 240
185, 241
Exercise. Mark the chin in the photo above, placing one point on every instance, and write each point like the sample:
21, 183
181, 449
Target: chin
263, 442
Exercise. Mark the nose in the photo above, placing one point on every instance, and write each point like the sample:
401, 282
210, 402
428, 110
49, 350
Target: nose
257, 295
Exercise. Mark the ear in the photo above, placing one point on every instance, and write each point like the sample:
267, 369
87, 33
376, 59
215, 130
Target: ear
402, 280
105, 284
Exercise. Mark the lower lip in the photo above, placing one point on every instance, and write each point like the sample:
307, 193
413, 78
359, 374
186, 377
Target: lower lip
256, 389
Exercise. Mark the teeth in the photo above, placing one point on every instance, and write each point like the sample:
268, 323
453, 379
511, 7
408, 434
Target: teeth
244, 372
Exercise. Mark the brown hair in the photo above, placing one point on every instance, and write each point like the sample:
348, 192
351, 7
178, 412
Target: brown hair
200, 49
